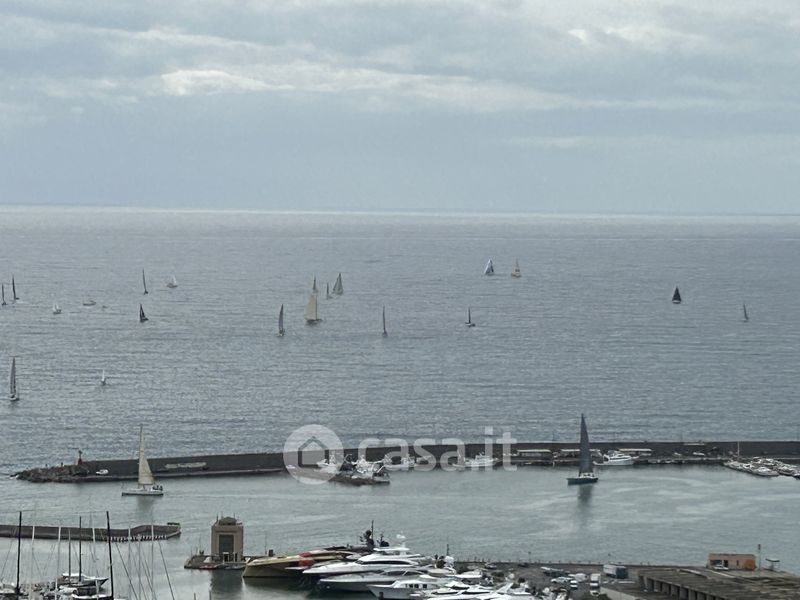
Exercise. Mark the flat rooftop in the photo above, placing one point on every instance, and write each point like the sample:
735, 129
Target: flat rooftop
761, 584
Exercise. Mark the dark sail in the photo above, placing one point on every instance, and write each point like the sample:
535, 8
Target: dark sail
676, 296
586, 455
142, 318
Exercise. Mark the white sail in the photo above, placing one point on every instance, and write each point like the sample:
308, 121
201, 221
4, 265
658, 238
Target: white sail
337, 286
280, 321
327, 291
311, 315
516, 272
489, 270
12, 382
103, 378
145, 474
56, 308
172, 283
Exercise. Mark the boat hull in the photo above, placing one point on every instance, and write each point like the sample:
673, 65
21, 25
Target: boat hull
581, 480
141, 492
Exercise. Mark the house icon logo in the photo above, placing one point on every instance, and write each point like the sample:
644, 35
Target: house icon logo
305, 448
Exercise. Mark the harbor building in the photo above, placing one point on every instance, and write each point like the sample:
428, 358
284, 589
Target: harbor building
227, 540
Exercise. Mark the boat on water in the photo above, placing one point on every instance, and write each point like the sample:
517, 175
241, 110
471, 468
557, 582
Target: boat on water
676, 296
3, 294
469, 322
406, 463
361, 582
378, 560
172, 283
14, 296
13, 394
744, 310
328, 291
146, 483
88, 302
516, 273
385, 333
56, 308
480, 461
142, 316
103, 377
586, 472
311, 314
314, 285
616, 459
281, 330
402, 589
144, 282
337, 285
291, 565
489, 270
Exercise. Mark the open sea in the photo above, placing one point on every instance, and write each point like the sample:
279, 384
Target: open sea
588, 328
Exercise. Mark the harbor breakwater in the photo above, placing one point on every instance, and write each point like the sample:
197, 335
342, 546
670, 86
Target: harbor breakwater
522, 454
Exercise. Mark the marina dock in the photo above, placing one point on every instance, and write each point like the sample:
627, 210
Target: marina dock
546, 454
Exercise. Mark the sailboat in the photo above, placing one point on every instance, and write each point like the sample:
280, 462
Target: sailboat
489, 270
311, 315
172, 283
676, 296
516, 272
13, 290
385, 333
89, 302
144, 283
337, 285
13, 395
469, 322
314, 285
281, 330
585, 470
56, 308
744, 308
147, 485
103, 377
3, 293
142, 317
327, 291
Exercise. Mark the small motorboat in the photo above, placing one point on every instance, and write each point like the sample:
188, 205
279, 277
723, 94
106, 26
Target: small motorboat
616, 459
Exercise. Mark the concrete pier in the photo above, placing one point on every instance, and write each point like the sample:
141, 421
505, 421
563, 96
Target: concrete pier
553, 454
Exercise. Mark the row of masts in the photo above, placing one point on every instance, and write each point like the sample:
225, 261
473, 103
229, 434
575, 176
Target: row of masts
172, 283
86, 584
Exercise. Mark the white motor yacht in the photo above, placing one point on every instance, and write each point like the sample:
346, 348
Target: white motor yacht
616, 459
362, 582
403, 588
481, 461
380, 559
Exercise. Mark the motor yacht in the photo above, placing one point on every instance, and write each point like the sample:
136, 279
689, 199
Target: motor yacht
616, 459
379, 559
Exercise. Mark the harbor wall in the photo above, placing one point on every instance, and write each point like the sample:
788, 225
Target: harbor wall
95, 470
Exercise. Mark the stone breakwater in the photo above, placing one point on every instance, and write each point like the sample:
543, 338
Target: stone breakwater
521, 454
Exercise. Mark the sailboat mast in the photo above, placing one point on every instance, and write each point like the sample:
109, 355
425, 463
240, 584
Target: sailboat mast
13, 289
384, 321
110, 562
80, 550
144, 283
19, 551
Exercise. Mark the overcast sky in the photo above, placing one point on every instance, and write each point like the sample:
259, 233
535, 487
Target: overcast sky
531, 106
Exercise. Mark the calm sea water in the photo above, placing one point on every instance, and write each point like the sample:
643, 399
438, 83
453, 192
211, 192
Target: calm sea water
588, 328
